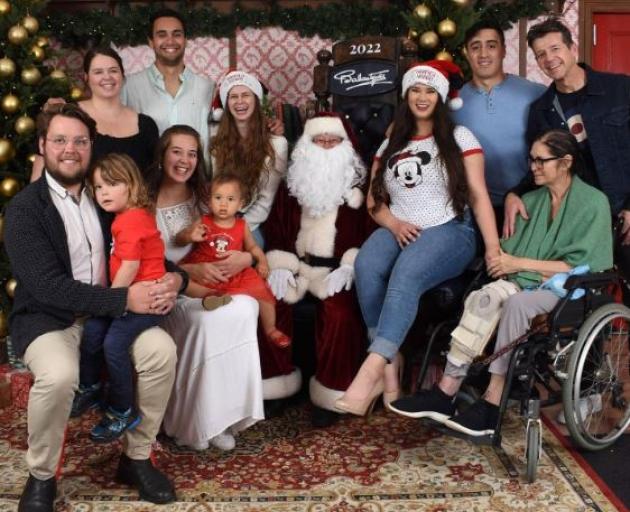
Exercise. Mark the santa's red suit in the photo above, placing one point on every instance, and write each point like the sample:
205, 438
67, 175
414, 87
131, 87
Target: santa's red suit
311, 247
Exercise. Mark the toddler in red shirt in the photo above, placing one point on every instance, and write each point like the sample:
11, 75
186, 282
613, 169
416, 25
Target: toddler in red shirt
137, 254
219, 232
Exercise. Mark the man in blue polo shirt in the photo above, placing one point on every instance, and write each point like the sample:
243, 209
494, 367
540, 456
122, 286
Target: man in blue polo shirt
495, 110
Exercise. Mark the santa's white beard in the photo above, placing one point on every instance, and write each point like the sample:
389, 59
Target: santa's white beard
320, 178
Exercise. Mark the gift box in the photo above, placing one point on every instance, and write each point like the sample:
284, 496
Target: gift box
20, 381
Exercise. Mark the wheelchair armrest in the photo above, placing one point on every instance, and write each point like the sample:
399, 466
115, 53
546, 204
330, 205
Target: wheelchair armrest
595, 280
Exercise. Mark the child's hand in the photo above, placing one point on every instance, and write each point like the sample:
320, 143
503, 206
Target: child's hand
198, 232
263, 269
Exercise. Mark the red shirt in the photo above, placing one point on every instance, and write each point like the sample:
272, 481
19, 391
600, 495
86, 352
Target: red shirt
136, 237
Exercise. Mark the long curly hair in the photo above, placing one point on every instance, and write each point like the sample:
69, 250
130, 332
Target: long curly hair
248, 158
449, 155
154, 175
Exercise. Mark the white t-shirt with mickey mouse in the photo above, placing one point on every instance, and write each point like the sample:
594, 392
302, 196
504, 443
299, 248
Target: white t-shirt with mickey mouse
417, 182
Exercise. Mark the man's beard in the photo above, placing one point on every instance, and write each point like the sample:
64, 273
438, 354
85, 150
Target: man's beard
52, 168
320, 178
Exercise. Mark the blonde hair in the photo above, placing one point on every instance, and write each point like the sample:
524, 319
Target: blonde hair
116, 167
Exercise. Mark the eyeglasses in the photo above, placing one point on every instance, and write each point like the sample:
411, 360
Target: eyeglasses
60, 142
540, 162
326, 142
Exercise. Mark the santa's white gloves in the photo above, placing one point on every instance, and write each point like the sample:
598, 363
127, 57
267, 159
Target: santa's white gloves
279, 281
339, 279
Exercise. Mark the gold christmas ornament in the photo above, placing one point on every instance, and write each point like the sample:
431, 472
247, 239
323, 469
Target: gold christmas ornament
6, 150
24, 125
461, 3
7, 68
30, 23
31, 158
447, 28
76, 93
10, 103
57, 74
4, 324
5, 7
9, 187
429, 40
412, 34
38, 53
17, 34
42, 41
444, 55
30, 76
422, 11
10, 287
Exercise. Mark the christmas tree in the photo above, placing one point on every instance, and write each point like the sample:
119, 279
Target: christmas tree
439, 26
26, 82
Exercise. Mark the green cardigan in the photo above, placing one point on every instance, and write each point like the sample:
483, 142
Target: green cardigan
580, 233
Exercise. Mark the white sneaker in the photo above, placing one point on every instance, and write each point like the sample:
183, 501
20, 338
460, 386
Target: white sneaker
588, 405
200, 446
223, 441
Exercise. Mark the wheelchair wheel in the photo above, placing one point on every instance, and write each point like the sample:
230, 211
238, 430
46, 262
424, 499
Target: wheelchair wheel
596, 399
532, 449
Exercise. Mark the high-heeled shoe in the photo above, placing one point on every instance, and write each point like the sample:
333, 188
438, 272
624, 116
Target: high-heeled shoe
395, 368
361, 407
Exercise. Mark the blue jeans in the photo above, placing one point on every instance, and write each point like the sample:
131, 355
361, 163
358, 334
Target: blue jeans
110, 339
391, 280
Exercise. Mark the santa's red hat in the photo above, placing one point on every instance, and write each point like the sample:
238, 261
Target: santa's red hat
443, 75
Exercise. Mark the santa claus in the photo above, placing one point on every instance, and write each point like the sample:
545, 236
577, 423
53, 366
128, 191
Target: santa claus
313, 235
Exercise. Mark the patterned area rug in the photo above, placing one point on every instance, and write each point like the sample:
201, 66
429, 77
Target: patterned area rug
383, 463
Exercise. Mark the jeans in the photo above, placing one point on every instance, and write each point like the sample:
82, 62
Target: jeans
390, 280
259, 238
111, 338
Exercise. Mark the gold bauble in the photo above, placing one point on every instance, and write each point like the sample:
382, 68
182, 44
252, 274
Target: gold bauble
42, 41
38, 53
76, 93
7, 68
10, 287
30, 23
10, 103
24, 125
17, 34
6, 150
4, 324
5, 7
429, 39
9, 187
447, 28
444, 55
57, 74
31, 158
461, 3
412, 34
30, 76
422, 11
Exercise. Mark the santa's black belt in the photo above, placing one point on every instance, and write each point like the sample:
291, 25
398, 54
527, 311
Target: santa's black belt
317, 261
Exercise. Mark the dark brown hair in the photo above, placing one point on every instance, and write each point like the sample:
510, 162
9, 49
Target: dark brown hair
561, 143
102, 50
449, 154
227, 177
549, 26
116, 167
165, 13
248, 158
155, 173
70, 110
484, 24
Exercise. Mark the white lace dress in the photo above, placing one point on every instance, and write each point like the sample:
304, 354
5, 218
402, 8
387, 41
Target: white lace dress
218, 383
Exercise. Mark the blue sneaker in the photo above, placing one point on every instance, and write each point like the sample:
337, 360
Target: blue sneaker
86, 397
113, 424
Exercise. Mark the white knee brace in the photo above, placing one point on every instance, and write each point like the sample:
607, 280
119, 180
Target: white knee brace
482, 311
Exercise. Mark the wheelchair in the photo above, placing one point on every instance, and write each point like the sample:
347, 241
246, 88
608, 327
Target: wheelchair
578, 350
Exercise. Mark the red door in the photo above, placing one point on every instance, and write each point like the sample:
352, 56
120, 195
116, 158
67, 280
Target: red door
611, 42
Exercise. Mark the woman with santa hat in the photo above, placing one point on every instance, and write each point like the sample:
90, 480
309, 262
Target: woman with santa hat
426, 178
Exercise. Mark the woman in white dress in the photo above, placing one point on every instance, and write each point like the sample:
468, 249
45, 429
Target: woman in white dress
218, 387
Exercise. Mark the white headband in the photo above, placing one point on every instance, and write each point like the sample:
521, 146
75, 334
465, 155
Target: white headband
426, 75
239, 78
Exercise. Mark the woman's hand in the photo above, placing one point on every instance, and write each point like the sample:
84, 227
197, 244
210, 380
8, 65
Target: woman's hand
404, 232
205, 273
234, 262
502, 265
491, 252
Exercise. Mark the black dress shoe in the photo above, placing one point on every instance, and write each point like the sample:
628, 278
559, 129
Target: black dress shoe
38, 495
321, 418
274, 407
150, 482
